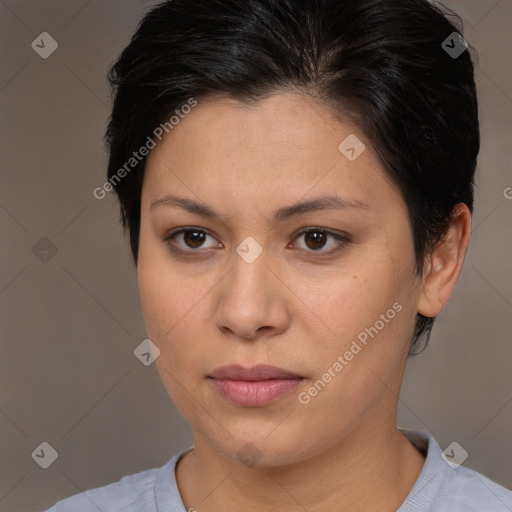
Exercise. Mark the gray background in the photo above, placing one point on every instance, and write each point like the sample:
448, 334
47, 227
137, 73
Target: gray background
69, 325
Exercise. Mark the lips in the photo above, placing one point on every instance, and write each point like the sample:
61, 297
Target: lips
254, 373
255, 386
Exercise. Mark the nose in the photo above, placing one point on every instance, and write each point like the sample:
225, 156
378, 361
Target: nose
253, 302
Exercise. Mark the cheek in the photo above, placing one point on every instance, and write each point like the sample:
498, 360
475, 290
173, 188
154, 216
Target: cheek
164, 298
356, 297
175, 311
170, 317
157, 298
370, 314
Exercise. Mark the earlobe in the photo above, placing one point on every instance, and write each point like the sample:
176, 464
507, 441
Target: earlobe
444, 264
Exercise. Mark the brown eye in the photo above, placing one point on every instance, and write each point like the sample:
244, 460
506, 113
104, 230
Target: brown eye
194, 239
316, 240
189, 240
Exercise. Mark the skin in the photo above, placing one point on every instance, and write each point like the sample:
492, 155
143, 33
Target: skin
290, 308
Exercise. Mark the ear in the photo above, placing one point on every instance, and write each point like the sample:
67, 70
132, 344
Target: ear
444, 264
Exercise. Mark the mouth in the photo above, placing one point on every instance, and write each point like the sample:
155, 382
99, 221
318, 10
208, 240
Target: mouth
255, 386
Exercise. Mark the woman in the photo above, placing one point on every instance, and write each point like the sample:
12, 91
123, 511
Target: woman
296, 177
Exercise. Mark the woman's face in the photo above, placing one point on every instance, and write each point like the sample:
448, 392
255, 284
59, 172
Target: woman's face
245, 286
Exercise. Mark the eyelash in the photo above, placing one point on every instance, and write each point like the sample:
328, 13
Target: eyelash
342, 239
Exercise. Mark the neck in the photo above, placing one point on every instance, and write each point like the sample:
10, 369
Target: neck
372, 468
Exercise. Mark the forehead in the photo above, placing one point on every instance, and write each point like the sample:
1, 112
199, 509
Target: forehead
285, 146
281, 126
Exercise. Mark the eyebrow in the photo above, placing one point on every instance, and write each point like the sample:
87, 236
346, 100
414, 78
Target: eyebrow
284, 213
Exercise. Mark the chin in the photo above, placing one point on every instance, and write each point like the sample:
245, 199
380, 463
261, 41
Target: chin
263, 447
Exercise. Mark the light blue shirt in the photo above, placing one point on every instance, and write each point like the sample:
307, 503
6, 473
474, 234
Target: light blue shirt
440, 488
